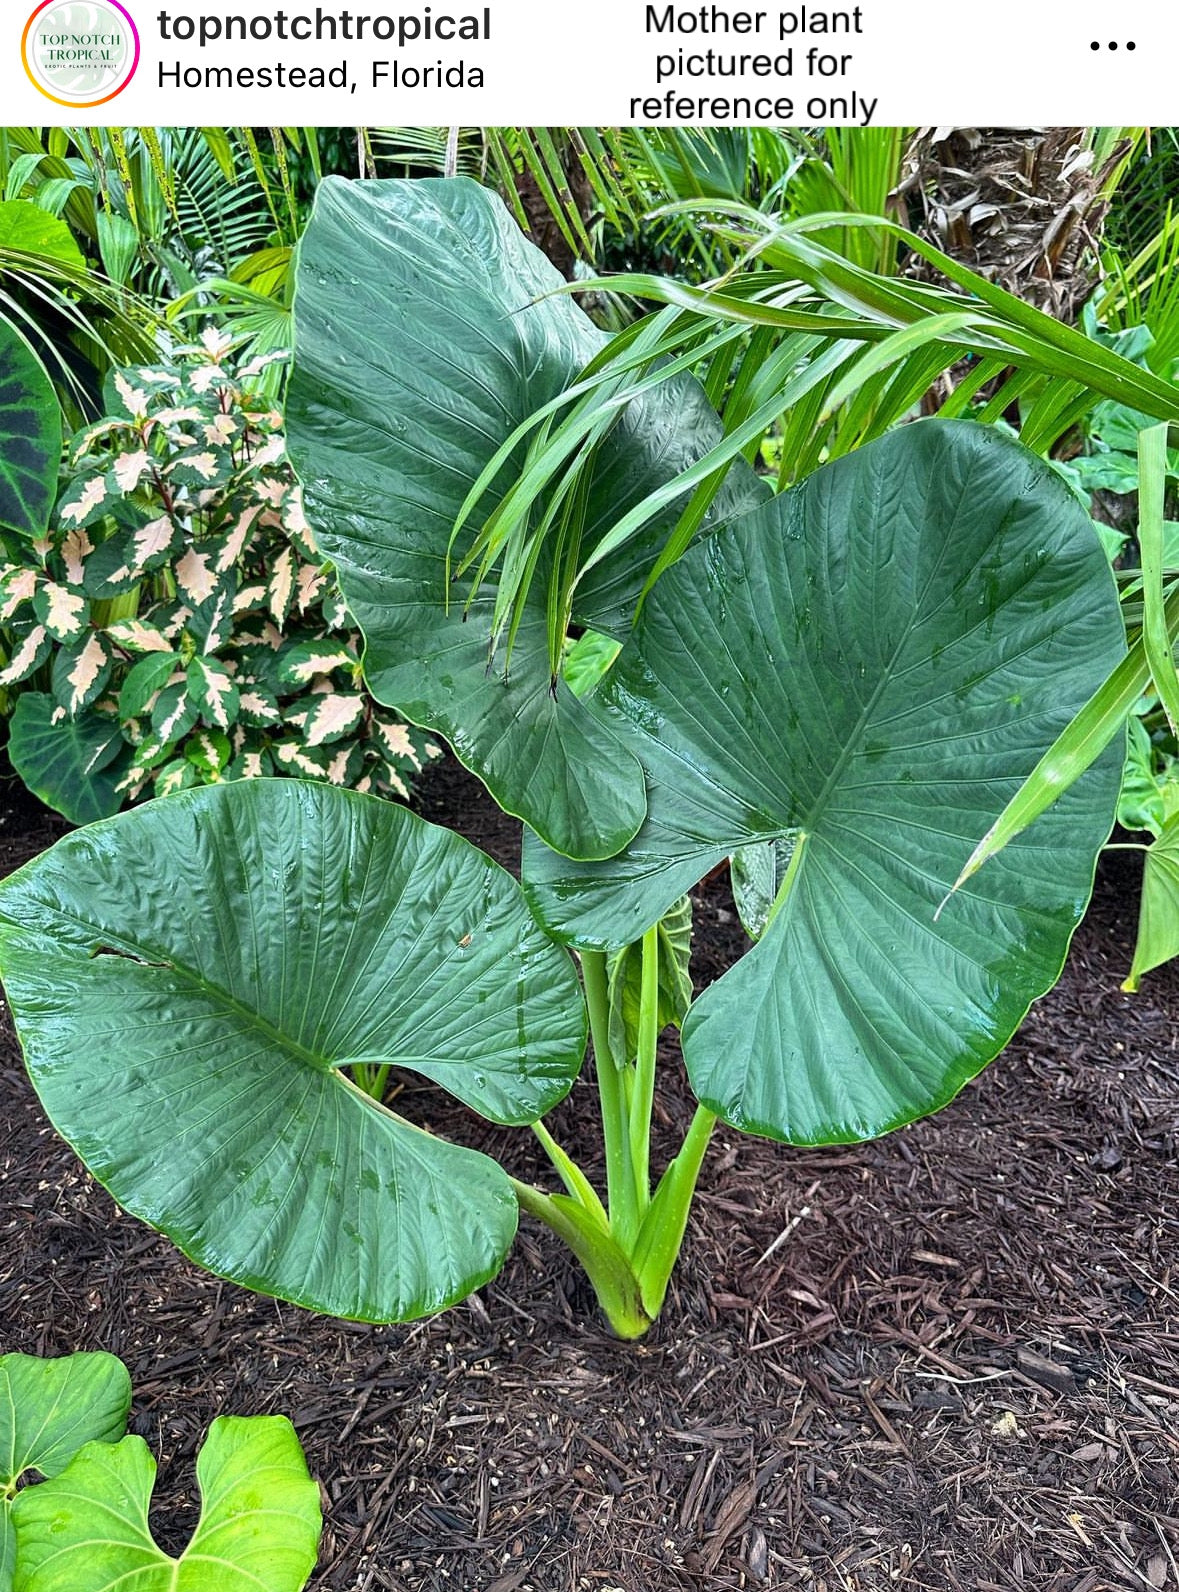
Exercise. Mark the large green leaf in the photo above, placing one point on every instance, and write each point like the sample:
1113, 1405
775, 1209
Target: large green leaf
418, 351
189, 978
873, 661
48, 1410
87, 1531
71, 762
30, 436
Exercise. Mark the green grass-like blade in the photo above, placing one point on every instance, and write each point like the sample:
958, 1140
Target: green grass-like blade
1074, 750
1156, 638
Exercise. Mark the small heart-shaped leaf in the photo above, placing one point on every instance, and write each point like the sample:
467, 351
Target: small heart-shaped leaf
87, 1530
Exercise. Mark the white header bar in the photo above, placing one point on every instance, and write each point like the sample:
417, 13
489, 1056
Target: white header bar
617, 62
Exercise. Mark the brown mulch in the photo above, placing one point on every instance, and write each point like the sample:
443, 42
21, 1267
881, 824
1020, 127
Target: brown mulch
947, 1360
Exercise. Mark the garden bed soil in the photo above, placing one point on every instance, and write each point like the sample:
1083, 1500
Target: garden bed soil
947, 1360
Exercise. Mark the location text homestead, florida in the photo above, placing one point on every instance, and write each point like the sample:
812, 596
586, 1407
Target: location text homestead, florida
425, 26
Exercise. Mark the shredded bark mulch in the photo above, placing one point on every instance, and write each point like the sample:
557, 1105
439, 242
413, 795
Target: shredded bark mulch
947, 1360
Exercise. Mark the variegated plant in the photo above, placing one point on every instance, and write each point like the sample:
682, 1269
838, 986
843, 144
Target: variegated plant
177, 625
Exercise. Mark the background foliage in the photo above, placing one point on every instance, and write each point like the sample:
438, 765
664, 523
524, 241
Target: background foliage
825, 284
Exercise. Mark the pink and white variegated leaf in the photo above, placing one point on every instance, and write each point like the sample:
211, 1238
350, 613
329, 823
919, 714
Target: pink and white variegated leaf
76, 547
64, 613
133, 399
291, 755
335, 610
391, 777
85, 506
151, 544
271, 490
216, 696
128, 469
344, 764
175, 713
271, 451
179, 775
311, 585
235, 542
251, 765
395, 741
302, 663
198, 467
216, 342
183, 415
334, 713
257, 705
132, 783
218, 623
18, 585
137, 635
194, 577
84, 440
295, 524
221, 429
281, 586
29, 654
249, 597
80, 673
209, 753
206, 377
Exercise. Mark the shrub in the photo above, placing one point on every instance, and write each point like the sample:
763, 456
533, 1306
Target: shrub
179, 613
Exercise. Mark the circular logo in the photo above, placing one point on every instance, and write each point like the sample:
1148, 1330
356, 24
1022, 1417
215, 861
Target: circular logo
80, 52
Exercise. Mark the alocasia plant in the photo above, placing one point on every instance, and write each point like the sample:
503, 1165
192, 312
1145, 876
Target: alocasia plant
838, 688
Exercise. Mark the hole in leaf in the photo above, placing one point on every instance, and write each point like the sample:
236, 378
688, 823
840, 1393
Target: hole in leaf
128, 956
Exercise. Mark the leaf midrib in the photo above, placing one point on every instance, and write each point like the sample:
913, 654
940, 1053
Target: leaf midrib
143, 954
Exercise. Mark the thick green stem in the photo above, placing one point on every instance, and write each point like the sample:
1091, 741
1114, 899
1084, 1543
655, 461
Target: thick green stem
107, 609
788, 879
372, 1078
662, 1233
605, 1262
574, 1179
643, 1088
628, 1249
620, 1185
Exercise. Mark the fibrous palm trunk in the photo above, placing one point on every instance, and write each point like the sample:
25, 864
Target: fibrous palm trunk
1021, 205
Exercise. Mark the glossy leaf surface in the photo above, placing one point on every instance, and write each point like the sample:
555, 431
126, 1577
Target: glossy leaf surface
874, 661
30, 436
88, 1530
48, 1410
419, 349
189, 977
73, 763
